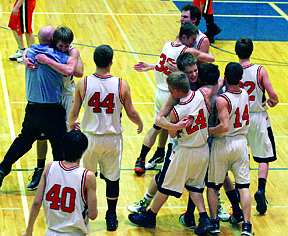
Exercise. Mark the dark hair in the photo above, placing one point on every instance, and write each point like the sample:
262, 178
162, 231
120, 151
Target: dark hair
103, 55
233, 73
208, 73
244, 47
195, 12
179, 80
188, 29
186, 59
63, 34
74, 143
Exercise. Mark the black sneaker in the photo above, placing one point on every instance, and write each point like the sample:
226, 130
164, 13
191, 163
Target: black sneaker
216, 226
236, 218
2, 175
111, 221
247, 229
142, 219
261, 201
190, 225
35, 179
139, 166
156, 159
203, 227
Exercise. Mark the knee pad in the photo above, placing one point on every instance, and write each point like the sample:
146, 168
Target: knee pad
112, 188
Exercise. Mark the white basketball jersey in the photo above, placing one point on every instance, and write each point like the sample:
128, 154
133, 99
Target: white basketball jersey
238, 107
102, 104
68, 81
252, 84
199, 39
170, 52
193, 105
64, 202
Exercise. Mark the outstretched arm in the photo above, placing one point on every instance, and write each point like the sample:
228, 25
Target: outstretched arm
129, 108
273, 97
144, 66
201, 56
36, 204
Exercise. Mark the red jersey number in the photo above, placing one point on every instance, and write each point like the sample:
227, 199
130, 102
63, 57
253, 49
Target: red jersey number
250, 89
163, 68
57, 202
200, 122
107, 103
245, 116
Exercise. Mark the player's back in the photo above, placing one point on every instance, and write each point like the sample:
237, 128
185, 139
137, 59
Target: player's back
252, 84
193, 105
238, 108
102, 104
64, 202
169, 53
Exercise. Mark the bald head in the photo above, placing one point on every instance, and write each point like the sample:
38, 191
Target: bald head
45, 34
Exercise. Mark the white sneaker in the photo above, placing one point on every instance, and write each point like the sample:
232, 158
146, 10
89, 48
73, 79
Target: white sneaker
138, 206
20, 60
18, 54
222, 213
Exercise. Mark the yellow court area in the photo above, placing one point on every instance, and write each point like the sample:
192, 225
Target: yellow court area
137, 31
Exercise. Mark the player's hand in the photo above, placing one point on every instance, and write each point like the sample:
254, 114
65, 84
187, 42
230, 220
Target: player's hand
172, 66
29, 63
140, 129
142, 66
185, 122
42, 58
271, 103
15, 11
75, 126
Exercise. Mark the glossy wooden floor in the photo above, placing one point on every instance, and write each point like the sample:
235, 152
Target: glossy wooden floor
136, 30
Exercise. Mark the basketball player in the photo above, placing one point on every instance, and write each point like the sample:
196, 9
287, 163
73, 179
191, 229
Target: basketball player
189, 160
229, 146
260, 136
62, 39
21, 22
207, 11
103, 97
170, 52
68, 192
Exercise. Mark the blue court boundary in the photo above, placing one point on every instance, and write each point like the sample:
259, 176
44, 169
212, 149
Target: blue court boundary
271, 63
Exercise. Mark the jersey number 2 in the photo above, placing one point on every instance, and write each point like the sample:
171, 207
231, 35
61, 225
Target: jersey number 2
67, 200
106, 103
201, 120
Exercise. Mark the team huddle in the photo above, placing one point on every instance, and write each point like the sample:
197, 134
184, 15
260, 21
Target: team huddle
209, 121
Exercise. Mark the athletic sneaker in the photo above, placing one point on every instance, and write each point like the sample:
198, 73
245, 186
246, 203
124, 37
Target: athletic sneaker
138, 206
236, 218
139, 166
2, 175
156, 159
20, 60
190, 225
142, 219
111, 221
203, 227
261, 201
222, 213
18, 54
216, 226
247, 229
35, 179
